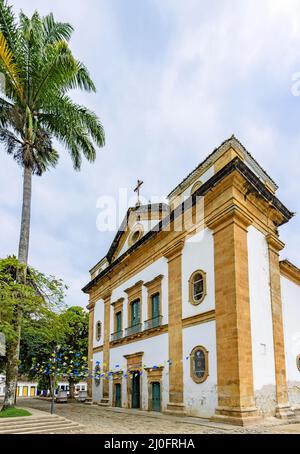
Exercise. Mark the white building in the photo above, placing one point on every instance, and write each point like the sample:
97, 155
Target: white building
27, 388
191, 310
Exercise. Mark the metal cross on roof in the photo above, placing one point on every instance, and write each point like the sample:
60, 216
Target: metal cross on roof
137, 190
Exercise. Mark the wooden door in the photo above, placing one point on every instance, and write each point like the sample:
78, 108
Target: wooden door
118, 401
136, 390
156, 396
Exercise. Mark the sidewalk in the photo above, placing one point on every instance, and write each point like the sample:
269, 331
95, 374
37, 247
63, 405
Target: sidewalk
266, 423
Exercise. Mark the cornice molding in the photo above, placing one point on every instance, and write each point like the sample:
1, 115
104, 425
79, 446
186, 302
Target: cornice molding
174, 250
227, 216
154, 281
106, 295
275, 244
134, 288
134, 355
290, 271
118, 302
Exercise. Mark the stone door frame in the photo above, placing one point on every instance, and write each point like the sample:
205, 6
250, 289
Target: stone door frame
154, 375
134, 364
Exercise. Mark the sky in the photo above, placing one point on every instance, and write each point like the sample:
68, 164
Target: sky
174, 79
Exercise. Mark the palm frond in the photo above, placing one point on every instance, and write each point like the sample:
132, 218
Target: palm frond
40, 70
75, 115
8, 65
8, 24
56, 31
9, 140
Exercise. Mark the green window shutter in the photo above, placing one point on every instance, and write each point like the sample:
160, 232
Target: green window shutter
135, 312
119, 321
155, 305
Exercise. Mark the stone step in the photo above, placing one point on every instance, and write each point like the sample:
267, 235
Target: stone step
56, 430
54, 424
25, 421
49, 428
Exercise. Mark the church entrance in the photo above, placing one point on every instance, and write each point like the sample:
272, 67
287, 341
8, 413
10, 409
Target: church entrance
155, 396
135, 403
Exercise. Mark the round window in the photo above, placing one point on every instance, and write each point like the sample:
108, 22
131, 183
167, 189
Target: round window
136, 235
197, 287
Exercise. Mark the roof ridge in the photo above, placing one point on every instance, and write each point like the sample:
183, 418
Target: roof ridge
215, 150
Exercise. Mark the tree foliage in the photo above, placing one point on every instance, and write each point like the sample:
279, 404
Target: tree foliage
62, 351
37, 299
39, 70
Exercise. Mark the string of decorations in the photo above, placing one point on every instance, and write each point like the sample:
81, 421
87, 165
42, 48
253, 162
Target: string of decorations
61, 364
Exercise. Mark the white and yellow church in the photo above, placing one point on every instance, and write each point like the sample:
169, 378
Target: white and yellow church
192, 310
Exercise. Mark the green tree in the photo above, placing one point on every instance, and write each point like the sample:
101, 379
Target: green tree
40, 298
69, 330
75, 345
39, 70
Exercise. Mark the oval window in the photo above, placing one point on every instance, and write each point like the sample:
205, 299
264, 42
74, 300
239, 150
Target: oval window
197, 287
98, 330
199, 364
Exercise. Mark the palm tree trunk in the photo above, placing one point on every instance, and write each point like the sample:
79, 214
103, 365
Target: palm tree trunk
71, 389
12, 354
13, 347
25, 223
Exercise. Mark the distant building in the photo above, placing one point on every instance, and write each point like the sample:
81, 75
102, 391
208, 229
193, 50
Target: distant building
29, 388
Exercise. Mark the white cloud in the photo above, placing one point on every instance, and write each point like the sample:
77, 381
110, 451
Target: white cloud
218, 68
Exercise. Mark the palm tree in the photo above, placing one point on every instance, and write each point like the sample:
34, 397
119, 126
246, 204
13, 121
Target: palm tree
39, 70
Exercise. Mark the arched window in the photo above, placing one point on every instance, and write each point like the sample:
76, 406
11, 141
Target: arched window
298, 362
195, 187
197, 287
199, 364
98, 330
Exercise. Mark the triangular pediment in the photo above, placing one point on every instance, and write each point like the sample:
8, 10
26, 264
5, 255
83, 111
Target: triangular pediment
137, 222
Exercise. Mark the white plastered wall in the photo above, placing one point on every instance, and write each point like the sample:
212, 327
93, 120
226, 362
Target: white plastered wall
198, 253
261, 322
98, 316
291, 322
155, 354
200, 398
97, 390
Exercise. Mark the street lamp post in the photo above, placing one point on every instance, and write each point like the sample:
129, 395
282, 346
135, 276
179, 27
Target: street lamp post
56, 350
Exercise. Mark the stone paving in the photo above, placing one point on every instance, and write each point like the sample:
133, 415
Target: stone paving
99, 420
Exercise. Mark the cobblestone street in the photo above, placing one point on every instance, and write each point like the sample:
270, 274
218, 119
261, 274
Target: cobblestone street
98, 420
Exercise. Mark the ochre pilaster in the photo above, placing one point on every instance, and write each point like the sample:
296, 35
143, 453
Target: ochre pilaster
90, 307
174, 256
233, 325
283, 408
106, 299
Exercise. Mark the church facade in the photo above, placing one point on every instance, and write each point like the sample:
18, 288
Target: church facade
192, 311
